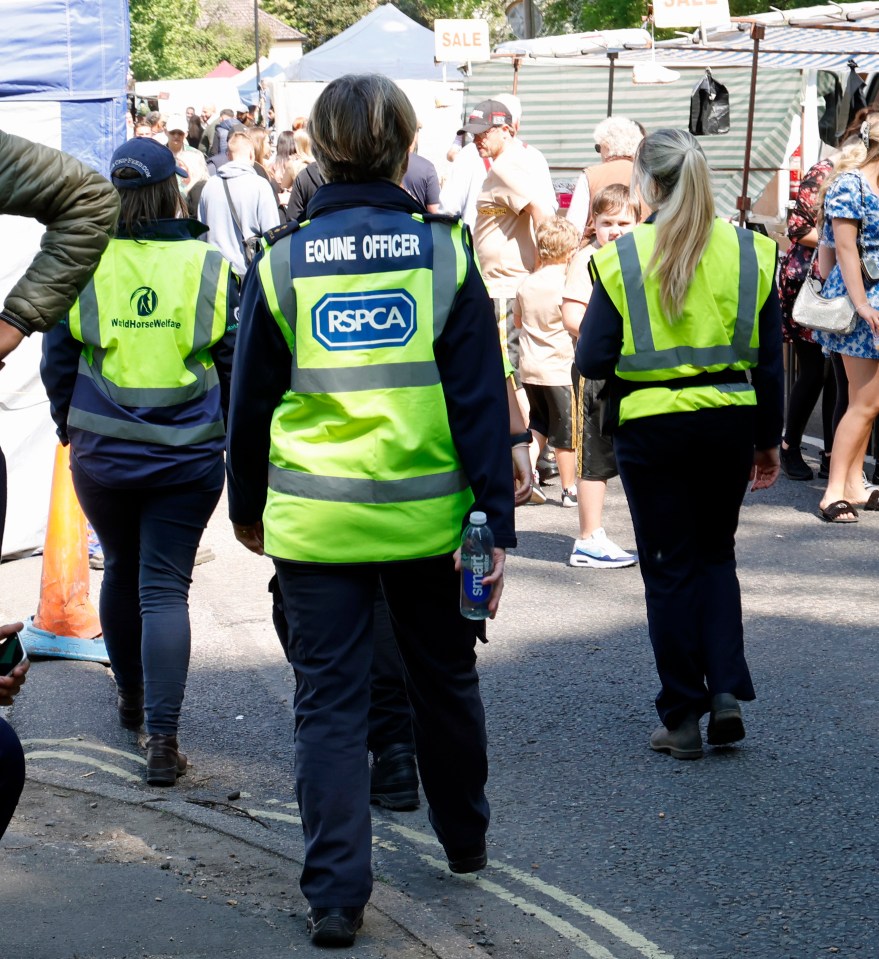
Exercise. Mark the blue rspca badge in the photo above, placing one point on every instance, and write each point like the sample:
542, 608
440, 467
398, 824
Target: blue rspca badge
356, 321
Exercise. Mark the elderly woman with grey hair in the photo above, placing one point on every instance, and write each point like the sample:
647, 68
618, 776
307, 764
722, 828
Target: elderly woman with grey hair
616, 139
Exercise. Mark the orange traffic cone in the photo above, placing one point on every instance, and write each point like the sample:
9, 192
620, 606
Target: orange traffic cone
66, 624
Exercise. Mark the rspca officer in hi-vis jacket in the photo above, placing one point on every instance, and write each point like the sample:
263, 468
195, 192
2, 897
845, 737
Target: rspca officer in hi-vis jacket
684, 322
138, 383
368, 418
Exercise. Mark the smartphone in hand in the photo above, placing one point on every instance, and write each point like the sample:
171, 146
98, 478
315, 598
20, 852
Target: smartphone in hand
12, 653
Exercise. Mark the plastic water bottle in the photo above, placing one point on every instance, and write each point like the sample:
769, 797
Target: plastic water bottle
477, 561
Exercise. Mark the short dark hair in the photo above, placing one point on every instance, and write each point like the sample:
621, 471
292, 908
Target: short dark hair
226, 112
361, 127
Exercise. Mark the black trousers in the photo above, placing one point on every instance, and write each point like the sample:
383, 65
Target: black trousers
685, 476
11, 753
329, 616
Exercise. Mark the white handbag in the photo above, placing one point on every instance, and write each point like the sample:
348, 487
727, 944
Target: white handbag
815, 312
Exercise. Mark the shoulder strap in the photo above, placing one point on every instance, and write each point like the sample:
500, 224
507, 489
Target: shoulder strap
235, 219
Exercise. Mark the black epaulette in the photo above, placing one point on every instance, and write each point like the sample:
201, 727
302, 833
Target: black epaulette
279, 232
449, 218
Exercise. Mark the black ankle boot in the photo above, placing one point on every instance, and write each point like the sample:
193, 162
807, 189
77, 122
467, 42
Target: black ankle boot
793, 464
165, 762
130, 706
394, 779
824, 467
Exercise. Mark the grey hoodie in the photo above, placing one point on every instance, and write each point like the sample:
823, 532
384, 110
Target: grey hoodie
254, 204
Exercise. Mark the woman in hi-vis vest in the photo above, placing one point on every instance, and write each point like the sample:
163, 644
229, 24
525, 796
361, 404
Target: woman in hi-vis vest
138, 382
684, 322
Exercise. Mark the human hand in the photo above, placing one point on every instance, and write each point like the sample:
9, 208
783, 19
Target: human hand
495, 579
250, 536
11, 684
766, 468
10, 337
867, 312
522, 475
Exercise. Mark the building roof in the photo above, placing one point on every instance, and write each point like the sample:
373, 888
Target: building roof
239, 13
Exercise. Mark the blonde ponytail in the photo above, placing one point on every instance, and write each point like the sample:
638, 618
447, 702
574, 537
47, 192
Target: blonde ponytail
673, 176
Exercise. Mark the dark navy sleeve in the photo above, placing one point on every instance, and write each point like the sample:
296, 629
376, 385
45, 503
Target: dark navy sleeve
468, 356
768, 376
601, 336
260, 376
223, 351
58, 370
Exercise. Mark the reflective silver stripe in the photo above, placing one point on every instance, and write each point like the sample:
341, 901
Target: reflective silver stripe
345, 489
150, 395
636, 297
279, 260
746, 315
374, 377
144, 432
733, 387
205, 311
88, 314
701, 357
444, 276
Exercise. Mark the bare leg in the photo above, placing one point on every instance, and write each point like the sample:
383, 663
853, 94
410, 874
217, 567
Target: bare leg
567, 462
590, 504
853, 433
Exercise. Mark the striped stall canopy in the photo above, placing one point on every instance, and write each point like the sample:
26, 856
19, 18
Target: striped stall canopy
562, 103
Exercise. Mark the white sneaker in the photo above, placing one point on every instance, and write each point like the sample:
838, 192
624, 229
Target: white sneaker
600, 552
868, 486
569, 496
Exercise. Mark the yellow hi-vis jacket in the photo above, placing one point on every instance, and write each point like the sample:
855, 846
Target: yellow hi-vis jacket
717, 331
147, 320
362, 463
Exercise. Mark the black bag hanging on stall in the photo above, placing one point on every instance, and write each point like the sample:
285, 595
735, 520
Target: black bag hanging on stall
709, 107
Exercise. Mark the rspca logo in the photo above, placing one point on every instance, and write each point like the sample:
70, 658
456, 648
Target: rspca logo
352, 321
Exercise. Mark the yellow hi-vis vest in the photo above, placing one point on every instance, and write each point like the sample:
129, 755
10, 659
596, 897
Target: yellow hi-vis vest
717, 331
362, 463
147, 320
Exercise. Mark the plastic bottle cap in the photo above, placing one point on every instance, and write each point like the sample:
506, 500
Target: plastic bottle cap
478, 518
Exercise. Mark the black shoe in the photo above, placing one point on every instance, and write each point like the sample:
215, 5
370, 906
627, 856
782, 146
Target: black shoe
130, 707
394, 779
470, 861
333, 926
824, 467
165, 762
685, 742
547, 468
725, 725
793, 464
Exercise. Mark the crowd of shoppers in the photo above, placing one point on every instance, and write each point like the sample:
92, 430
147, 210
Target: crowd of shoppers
365, 431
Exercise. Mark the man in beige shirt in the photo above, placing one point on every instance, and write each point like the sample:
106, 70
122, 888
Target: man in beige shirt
507, 212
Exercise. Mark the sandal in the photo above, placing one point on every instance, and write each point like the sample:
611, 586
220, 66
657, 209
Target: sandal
835, 512
872, 504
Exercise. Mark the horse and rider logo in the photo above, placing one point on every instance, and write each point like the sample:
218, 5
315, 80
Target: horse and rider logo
144, 300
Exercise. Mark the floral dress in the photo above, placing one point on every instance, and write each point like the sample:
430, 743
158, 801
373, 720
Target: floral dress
794, 265
850, 197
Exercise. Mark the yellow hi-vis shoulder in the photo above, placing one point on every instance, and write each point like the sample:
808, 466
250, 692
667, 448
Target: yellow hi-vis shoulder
717, 331
147, 320
362, 463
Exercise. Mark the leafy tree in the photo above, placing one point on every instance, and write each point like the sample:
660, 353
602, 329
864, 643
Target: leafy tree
163, 38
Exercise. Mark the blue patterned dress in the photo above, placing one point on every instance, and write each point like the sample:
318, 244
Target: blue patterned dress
851, 198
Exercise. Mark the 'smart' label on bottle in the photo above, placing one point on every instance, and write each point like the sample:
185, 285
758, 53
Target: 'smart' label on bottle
474, 589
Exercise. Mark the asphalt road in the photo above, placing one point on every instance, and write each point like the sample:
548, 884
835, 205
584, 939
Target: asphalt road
598, 846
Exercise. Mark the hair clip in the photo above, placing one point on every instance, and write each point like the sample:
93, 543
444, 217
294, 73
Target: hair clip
865, 134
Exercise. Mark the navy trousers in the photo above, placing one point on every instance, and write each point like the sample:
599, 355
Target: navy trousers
11, 753
329, 615
149, 538
685, 476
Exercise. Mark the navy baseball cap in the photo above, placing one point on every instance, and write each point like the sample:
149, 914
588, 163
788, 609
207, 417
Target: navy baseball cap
153, 162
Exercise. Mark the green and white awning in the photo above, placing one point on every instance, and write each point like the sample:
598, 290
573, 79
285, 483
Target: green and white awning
563, 103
